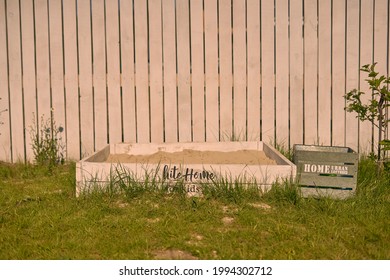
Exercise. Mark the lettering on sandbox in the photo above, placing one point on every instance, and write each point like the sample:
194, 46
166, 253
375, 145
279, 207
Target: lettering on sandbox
188, 174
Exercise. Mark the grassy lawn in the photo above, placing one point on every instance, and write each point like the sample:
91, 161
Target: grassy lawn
40, 218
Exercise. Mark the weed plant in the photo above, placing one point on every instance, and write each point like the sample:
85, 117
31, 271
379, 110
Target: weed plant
47, 142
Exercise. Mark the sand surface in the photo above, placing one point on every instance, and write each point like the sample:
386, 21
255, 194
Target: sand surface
250, 157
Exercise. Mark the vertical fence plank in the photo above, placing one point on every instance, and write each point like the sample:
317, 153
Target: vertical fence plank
380, 43
324, 72
225, 65
85, 75
296, 72
5, 141
310, 71
156, 74
239, 65
253, 68
113, 72
338, 71
15, 81
42, 56
197, 71
99, 74
71, 80
352, 69
183, 67
127, 62
141, 66
282, 98
211, 63
169, 56
267, 70
366, 56
29, 86
56, 64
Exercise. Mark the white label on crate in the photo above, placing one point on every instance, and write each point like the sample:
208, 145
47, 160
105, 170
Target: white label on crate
324, 168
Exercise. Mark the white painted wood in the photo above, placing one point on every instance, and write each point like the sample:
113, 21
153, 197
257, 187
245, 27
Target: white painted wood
262, 175
239, 70
253, 69
225, 69
71, 80
380, 44
56, 64
366, 57
156, 71
338, 70
324, 72
127, 55
310, 72
197, 71
183, 68
42, 59
199, 41
211, 73
296, 72
15, 81
141, 66
99, 74
29, 85
267, 72
85, 76
113, 72
5, 141
282, 73
352, 70
169, 56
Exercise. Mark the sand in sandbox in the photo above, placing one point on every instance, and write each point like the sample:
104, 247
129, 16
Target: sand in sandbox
250, 157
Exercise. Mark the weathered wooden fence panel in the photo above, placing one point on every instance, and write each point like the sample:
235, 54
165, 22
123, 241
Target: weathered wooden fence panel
111, 71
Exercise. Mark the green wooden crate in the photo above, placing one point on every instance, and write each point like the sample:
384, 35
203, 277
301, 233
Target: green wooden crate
326, 171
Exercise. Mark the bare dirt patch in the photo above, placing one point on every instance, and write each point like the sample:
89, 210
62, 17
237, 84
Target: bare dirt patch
227, 220
260, 205
173, 254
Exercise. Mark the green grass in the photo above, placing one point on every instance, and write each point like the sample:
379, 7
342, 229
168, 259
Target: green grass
40, 218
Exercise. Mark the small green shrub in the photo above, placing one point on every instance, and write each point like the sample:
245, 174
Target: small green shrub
375, 109
47, 142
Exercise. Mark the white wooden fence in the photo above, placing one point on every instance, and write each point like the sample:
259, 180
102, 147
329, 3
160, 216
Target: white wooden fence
186, 70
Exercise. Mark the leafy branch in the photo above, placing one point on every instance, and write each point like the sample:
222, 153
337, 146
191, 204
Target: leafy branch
375, 108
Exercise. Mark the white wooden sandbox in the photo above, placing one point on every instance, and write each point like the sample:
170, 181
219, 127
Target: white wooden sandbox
192, 163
